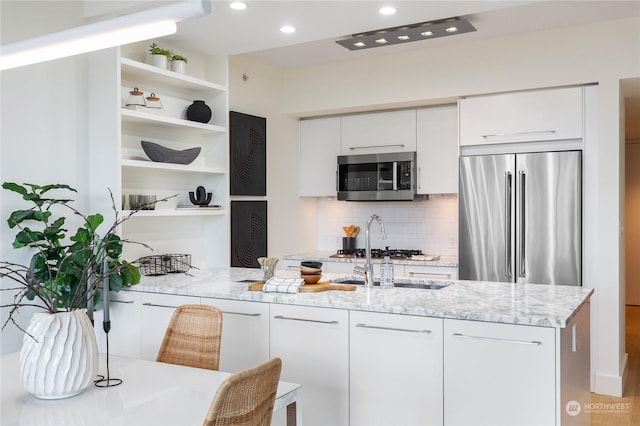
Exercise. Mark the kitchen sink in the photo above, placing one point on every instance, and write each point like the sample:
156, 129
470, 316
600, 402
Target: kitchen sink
424, 286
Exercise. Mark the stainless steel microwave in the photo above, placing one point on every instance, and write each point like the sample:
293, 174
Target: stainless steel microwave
377, 177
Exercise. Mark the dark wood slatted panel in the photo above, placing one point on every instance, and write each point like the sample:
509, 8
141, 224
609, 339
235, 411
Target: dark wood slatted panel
248, 154
248, 233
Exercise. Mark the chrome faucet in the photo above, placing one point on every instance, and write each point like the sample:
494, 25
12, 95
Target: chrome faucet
368, 276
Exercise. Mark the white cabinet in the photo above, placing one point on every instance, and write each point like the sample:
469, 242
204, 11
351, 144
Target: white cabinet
379, 132
319, 148
396, 369
437, 150
430, 272
156, 311
314, 346
540, 115
342, 267
124, 335
499, 374
245, 333
118, 162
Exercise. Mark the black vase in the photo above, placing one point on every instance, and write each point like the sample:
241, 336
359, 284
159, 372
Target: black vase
199, 111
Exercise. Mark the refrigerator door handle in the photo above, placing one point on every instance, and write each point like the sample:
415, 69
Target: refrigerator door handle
523, 215
507, 223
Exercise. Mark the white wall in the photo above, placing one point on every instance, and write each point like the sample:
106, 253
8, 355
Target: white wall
600, 53
291, 220
43, 136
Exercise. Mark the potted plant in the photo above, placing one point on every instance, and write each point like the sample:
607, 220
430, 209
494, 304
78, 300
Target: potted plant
63, 278
179, 63
159, 57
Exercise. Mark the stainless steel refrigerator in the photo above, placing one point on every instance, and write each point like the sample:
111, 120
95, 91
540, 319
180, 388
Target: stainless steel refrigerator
520, 218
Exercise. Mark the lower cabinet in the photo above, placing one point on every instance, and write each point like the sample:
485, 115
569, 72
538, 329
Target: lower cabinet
314, 346
245, 333
124, 335
395, 369
155, 313
499, 374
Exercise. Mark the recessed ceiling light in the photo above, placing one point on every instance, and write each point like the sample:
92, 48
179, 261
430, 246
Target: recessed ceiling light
387, 10
359, 44
427, 33
238, 5
288, 29
381, 41
451, 29
403, 37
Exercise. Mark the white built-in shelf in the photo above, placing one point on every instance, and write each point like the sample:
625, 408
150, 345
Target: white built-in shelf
174, 213
140, 164
140, 117
149, 74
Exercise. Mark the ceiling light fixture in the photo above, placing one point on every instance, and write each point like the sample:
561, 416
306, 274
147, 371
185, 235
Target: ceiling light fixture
288, 29
238, 5
407, 33
126, 29
387, 10
381, 41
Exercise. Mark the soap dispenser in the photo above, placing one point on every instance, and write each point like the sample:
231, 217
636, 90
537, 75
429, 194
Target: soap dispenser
386, 271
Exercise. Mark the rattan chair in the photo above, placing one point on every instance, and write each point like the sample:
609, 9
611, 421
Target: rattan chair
193, 337
246, 398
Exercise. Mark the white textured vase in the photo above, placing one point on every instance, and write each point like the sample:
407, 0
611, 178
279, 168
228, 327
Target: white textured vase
179, 66
62, 360
160, 61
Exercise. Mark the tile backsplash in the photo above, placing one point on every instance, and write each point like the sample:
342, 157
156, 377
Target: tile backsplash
430, 226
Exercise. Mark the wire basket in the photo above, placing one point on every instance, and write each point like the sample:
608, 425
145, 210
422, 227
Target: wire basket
163, 264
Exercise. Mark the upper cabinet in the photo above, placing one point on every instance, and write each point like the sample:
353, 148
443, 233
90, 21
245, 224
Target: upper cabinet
541, 115
318, 151
118, 161
379, 132
437, 150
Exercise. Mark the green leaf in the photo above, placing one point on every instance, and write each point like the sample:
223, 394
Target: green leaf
12, 186
94, 220
115, 282
26, 237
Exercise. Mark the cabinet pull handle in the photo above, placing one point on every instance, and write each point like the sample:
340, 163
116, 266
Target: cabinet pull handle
507, 223
123, 301
304, 319
523, 227
399, 145
494, 339
159, 306
242, 313
436, 274
394, 329
502, 135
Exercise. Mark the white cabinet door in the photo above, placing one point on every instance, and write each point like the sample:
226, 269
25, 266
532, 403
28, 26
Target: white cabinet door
245, 333
341, 267
318, 150
124, 335
378, 132
437, 150
430, 272
396, 369
289, 265
156, 311
499, 374
541, 115
314, 346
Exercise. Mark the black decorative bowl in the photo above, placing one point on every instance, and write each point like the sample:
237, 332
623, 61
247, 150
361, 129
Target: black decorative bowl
162, 154
311, 264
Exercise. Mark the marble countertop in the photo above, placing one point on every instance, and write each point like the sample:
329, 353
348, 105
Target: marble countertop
525, 304
324, 256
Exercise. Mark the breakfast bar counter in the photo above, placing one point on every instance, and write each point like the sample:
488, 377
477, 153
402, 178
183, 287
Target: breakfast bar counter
523, 304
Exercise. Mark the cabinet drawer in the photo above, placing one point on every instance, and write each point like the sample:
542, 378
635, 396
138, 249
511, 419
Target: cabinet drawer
544, 115
431, 272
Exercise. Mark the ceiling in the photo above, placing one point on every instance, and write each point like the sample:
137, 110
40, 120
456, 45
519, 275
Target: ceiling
320, 23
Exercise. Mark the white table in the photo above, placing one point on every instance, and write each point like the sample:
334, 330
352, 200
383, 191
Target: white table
151, 393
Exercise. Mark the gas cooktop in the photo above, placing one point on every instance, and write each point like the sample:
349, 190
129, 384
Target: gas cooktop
378, 253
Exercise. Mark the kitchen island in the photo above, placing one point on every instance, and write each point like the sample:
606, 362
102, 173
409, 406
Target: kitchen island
466, 353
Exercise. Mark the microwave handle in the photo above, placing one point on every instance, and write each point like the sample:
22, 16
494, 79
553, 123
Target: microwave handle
395, 175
